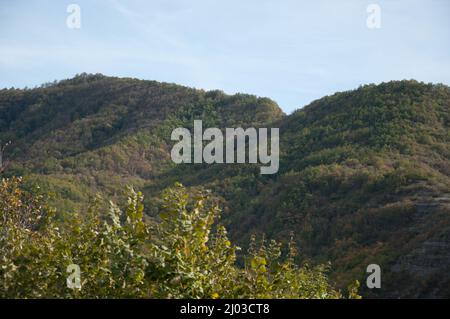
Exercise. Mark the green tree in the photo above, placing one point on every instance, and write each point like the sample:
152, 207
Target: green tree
183, 254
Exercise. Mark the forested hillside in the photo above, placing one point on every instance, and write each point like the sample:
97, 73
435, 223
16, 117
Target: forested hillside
364, 175
96, 133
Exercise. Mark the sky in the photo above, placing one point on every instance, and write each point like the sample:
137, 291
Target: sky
291, 51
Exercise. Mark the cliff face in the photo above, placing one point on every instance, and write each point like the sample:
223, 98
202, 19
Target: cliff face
364, 174
427, 263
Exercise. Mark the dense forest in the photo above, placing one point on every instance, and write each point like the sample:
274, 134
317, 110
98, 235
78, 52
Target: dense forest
364, 178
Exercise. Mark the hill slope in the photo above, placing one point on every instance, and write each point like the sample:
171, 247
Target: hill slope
364, 174
95, 133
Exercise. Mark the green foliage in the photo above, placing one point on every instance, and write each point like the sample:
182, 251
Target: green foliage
181, 255
364, 174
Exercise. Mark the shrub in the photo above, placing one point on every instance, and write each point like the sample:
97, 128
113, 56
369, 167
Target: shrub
180, 255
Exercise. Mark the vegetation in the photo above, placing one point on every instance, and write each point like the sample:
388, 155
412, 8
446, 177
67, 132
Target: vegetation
364, 174
181, 255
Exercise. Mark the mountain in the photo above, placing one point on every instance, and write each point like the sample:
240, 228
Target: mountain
95, 133
364, 174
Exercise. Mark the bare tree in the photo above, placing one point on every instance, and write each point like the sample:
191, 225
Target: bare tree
3, 163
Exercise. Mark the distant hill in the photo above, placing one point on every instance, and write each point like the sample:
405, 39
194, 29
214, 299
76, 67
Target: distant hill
364, 175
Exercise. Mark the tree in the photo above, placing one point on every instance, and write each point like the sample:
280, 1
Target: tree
3, 164
181, 255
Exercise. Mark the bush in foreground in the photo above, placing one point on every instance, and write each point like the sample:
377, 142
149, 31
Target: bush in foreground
183, 254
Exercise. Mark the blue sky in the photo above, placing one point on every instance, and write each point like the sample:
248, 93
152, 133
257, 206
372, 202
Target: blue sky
291, 51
